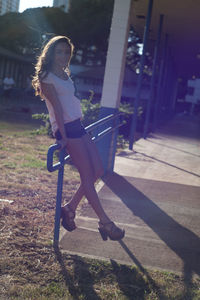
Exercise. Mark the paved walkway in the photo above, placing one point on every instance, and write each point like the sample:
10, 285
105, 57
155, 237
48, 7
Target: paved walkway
154, 193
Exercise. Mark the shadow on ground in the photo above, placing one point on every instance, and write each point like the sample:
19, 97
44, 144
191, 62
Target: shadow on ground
130, 282
181, 240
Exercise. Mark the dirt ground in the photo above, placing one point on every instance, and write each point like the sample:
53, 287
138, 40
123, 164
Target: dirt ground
27, 207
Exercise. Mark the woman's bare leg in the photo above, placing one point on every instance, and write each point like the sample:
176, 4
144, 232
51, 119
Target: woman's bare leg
97, 167
80, 152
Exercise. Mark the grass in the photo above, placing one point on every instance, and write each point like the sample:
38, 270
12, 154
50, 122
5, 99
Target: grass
31, 162
30, 268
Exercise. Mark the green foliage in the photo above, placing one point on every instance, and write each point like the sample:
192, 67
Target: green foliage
90, 110
128, 110
93, 26
46, 128
90, 115
132, 55
122, 143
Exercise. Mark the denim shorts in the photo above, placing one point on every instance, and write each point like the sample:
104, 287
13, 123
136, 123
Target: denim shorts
73, 130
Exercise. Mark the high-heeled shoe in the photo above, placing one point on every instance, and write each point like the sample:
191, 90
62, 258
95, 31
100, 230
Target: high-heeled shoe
68, 216
111, 230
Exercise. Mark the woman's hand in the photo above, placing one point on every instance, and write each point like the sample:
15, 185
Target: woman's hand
63, 143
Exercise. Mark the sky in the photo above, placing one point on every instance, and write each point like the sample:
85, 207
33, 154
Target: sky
24, 4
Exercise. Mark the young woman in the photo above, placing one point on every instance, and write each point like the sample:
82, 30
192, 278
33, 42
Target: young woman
52, 82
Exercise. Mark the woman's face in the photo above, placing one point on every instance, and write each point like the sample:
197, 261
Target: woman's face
62, 54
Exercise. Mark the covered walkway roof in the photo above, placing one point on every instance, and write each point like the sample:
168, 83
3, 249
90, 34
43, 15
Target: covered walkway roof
181, 23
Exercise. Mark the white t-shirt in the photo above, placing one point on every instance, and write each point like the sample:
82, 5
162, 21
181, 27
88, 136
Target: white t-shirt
70, 104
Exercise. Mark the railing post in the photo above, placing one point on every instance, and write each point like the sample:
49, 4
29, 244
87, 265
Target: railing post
140, 77
113, 146
107, 146
59, 197
153, 78
160, 83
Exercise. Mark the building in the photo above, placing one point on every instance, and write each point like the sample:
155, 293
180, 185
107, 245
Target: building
62, 3
9, 6
89, 79
17, 66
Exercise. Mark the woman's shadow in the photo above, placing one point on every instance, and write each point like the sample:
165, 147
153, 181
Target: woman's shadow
80, 281
181, 240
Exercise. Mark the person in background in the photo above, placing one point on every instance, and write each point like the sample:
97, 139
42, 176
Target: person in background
8, 84
53, 83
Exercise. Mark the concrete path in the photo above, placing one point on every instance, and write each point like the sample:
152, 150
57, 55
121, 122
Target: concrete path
154, 193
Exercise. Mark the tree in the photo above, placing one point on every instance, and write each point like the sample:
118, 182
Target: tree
133, 56
87, 23
25, 33
91, 21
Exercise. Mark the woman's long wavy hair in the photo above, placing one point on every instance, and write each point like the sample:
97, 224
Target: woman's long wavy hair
45, 60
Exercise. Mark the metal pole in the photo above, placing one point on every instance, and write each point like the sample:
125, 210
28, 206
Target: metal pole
113, 143
139, 83
158, 94
153, 77
164, 97
169, 89
175, 91
59, 198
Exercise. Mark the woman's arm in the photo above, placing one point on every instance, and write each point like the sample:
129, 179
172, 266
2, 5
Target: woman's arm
49, 92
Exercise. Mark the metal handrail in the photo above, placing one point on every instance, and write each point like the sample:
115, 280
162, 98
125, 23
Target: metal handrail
53, 167
103, 121
63, 158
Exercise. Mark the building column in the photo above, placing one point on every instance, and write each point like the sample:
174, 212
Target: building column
113, 77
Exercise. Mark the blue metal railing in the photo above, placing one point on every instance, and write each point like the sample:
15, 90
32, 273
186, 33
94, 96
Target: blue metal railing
63, 158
